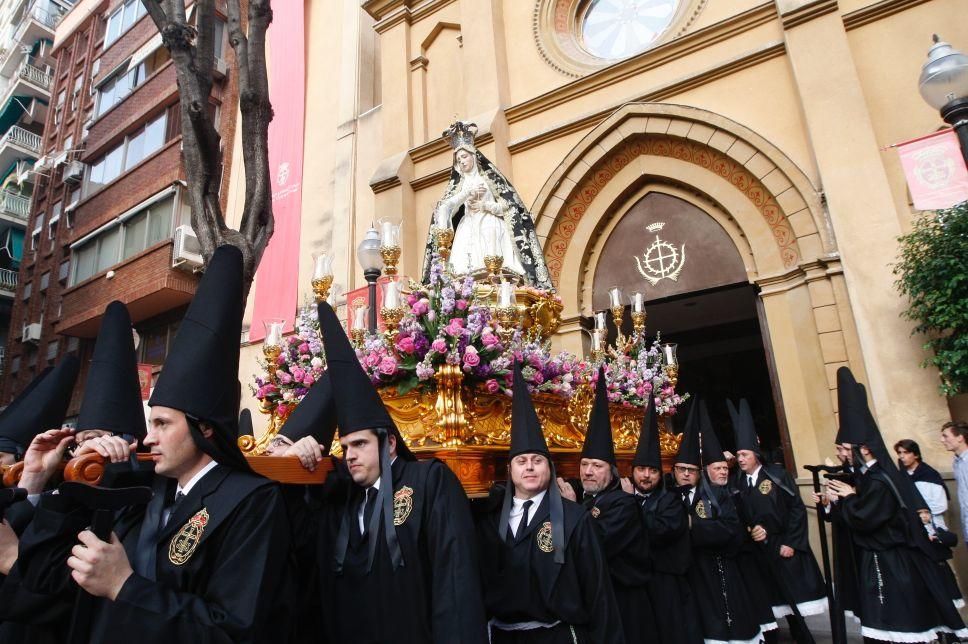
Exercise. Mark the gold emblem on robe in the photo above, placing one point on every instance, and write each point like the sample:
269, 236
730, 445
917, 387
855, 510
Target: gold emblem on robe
545, 542
595, 511
700, 509
766, 487
183, 544
402, 505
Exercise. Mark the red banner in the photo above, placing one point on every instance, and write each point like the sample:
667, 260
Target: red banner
935, 170
276, 282
144, 379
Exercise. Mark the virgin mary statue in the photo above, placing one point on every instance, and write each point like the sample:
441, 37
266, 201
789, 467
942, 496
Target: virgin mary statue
487, 214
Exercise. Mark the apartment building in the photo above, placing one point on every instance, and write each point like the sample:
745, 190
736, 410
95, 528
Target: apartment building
109, 218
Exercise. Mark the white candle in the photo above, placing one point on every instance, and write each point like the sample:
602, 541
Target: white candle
390, 234
506, 294
322, 266
274, 333
670, 353
391, 297
359, 318
615, 296
596, 340
600, 320
441, 220
638, 303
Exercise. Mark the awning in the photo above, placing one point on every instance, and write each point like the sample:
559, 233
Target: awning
12, 110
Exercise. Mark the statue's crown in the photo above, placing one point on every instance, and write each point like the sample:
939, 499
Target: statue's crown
461, 135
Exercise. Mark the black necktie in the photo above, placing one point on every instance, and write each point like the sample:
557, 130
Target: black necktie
523, 523
174, 506
368, 503
749, 481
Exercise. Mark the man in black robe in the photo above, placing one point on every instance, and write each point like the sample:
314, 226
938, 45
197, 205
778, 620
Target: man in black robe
777, 519
543, 567
618, 520
667, 526
902, 597
727, 611
397, 551
205, 560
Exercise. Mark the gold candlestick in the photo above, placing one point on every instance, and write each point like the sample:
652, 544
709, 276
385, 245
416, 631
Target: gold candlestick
507, 317
390, 255
494, 263
618, 316
444, 238
358, 336
391, 317
638, 323
672, 373
321, 287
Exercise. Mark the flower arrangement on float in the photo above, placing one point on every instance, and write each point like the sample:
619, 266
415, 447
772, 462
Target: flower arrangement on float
447, 322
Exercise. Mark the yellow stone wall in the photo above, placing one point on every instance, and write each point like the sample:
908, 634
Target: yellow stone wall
801, 95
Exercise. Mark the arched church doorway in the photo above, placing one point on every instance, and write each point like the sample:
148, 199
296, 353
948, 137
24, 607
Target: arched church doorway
697, 295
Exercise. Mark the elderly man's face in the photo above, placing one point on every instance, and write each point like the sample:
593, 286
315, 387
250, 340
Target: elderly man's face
686, 475
596, 475
718, 472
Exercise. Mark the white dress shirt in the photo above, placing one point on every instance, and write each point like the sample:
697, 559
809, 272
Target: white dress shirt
517, 510
188, 488
751, 478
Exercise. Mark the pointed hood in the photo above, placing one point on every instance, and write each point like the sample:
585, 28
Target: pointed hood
9, 415
200, 375
527, 438
743, 427
112, 392
689, 446
43, 407
647, 453
245, 423
598, 439
359, 407
856, 421
315, 415
526, 434
712, 451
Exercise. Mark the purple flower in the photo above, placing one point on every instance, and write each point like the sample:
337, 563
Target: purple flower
424, 371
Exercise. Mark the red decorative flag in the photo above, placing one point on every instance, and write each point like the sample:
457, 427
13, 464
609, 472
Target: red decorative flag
935, 170
144, 379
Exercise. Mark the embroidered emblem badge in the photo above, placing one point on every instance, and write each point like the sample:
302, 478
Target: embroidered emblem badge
402, 505
766, 487
595, 511
700, 509
183, 544
545, 542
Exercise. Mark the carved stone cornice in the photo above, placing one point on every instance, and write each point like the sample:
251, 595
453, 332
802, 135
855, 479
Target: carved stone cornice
797, 12
878, 11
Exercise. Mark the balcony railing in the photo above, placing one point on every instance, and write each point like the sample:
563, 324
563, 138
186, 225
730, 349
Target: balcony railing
35, 75
23, 138
8, 280
43, 12
15, 205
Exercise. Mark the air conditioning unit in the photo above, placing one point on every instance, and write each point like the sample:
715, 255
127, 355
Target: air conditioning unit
187, 253
31, 333
60, 158
41, 163
74, 172
221, 69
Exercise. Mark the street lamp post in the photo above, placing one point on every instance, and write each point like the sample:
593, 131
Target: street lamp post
944, 86
368, 254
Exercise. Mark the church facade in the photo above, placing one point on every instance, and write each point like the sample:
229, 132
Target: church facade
726, 159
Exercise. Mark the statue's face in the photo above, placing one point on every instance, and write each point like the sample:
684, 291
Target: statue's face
465, 161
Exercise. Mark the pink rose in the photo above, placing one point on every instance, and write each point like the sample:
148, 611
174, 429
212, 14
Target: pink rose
309, 380
492, 386
461, 305
535, 360
439, 345
406, 345
387, 366
490, 340
420, 307
538, 378
304, 347
372, 360
455, 327
471, 359
411, 299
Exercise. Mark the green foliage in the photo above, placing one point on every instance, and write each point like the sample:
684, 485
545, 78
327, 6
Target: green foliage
933, 274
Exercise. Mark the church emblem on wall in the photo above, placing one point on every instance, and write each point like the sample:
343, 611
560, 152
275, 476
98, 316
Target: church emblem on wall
661, 259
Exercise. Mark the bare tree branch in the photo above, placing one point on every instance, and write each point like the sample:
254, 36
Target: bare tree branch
193, 54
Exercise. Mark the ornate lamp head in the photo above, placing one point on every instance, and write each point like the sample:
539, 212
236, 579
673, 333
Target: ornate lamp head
461, 136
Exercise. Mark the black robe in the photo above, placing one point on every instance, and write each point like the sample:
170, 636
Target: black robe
845, 558
618, 519
522, 582
774, 503
725, 608
227, 589
435, 596
901, 596
667, 526
939, 552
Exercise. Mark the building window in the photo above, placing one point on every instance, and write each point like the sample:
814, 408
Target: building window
35, 235
55, 215
137, 146
64, 271
130, 76
52, 348
122, 19
27, 290
143, 229
31, 358
616, 29
45, 281
76, 93
156, 341
15, 364
73, 344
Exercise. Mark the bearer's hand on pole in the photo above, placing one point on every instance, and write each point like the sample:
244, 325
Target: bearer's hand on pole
43, 456
114, 448
627, 485
567, 491
308, 451
839, 489
99, 567
758, 533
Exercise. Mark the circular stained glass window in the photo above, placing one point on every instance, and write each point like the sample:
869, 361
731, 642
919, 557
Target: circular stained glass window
613, 29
